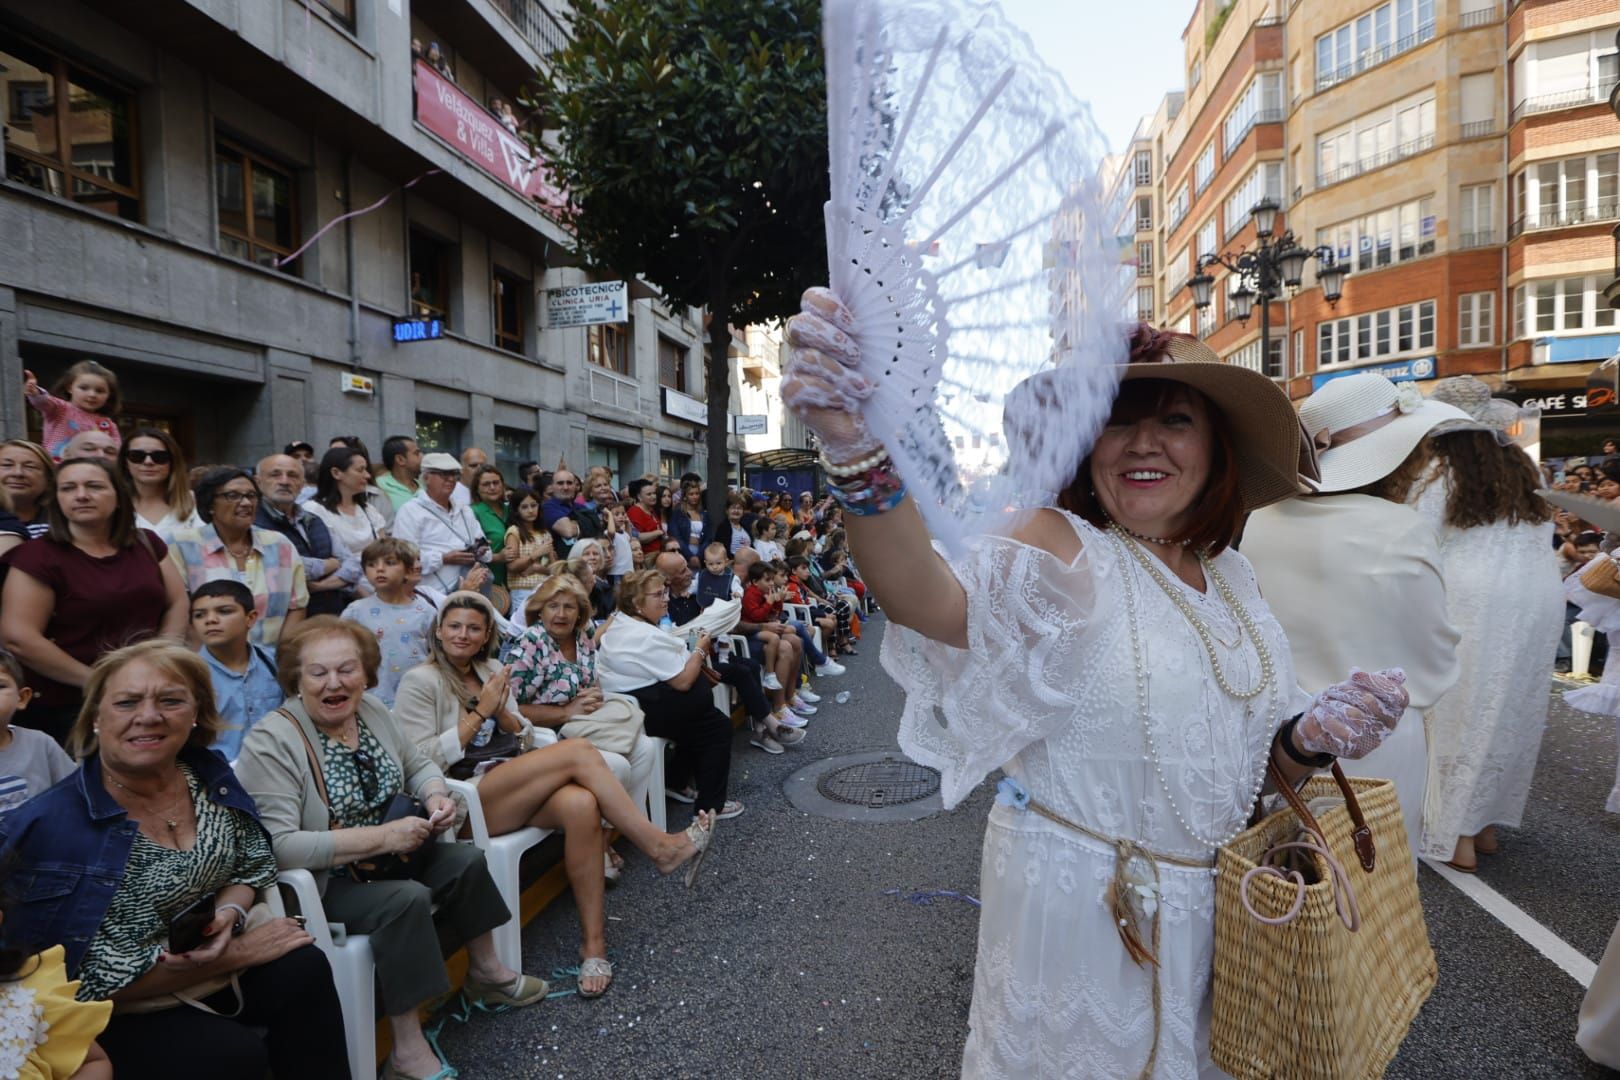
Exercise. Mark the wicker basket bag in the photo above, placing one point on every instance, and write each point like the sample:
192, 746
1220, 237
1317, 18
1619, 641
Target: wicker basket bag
1602, 576
1319, 975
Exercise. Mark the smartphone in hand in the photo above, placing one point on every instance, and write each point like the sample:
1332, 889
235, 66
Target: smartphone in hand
188, 930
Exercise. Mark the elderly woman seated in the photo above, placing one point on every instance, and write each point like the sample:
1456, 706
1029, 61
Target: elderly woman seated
152, 832
636, 657
325, 770
459, 711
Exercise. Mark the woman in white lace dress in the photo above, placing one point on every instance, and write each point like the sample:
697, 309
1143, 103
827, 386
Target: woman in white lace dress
1504, 597
1115, 658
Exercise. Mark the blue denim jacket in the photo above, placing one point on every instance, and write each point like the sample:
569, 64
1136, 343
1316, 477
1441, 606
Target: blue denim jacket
70, 845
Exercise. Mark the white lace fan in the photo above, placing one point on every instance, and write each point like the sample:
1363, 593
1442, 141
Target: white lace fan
966, 232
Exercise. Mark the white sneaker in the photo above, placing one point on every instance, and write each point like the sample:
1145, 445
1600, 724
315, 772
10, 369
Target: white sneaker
831, 667
790, 719
762, 739
798, 706
771, 682
806, 696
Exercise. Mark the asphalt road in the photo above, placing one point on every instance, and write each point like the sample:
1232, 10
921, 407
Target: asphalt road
803, 953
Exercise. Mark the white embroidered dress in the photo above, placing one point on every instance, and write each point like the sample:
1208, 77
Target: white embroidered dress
1047, 690
1504, 597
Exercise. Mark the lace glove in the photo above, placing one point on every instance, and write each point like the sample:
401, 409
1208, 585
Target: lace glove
823, 385
1349, 719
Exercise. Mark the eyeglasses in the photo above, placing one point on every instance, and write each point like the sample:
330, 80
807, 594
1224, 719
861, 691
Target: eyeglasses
234, 497
661, 594
367, 768
156, 457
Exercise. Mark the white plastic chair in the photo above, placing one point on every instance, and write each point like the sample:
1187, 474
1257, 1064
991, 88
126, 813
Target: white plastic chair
503, 854
801, 613
353, 972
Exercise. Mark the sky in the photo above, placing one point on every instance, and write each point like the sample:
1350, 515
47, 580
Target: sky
1119, 58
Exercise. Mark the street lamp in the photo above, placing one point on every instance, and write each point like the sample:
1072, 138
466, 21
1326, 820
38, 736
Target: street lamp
1276, 264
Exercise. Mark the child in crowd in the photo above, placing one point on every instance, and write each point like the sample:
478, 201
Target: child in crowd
795, 577
91, 404
243, 674
30, 761
764, 534
762, 604
716, 581
528, 549
397, 614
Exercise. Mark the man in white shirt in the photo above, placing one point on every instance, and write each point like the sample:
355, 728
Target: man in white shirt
449, 538
472, 459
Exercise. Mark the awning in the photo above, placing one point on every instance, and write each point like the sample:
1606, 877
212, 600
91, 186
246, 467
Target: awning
1571, 374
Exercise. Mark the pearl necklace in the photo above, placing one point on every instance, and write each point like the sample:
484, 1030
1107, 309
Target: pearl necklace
1161, 541
1258, 771
1245, 624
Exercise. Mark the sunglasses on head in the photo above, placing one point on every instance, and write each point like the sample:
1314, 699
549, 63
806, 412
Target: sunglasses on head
367, 769
156, 457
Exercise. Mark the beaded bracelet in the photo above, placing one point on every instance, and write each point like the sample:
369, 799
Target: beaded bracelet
854, 468
878, 491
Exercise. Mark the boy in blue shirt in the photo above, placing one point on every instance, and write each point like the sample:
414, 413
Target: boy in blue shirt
244, 674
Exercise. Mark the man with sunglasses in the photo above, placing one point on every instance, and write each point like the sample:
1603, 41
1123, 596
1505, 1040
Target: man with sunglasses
449, 538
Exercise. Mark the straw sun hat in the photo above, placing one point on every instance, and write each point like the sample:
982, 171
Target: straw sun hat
1486, 413
1392, 420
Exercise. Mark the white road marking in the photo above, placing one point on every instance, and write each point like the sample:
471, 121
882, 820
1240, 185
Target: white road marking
1573, 963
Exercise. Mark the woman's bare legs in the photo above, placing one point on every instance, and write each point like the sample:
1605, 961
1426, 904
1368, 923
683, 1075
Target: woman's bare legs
573, 810
515, 791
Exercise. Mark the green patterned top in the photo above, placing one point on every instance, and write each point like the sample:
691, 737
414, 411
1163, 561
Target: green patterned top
159, 882
357, 799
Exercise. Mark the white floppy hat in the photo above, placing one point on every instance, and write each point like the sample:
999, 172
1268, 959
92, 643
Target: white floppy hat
1355, 400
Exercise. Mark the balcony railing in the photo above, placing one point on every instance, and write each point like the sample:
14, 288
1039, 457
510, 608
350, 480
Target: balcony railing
1476, 239
1175, 216
1563, 218
535, 24
1376, 161
1478, 129
1483, 17
1594, 94
1264, 116
1373, 57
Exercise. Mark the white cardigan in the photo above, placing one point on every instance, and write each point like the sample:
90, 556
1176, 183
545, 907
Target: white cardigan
430, 716
632, 654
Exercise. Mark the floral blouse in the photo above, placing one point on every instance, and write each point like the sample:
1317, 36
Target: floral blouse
542, 675
359, 787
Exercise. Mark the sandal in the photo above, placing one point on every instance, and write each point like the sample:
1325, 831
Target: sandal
701, 833
498, 997
594, 967
684, 795
1486, 842
610, 871
391, 1072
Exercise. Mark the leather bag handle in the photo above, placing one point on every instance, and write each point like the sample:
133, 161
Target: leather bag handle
315, 768
1361, 836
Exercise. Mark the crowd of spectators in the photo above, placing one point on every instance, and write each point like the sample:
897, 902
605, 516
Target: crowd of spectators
211, 675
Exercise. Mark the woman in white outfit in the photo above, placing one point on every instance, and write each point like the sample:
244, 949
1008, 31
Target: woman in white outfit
1116, 659
341, 501
1504, 597
1354, 575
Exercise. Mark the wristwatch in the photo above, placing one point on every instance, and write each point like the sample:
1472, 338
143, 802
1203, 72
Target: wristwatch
241, 917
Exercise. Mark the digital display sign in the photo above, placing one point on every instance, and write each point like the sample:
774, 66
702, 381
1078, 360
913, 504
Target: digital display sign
418, 329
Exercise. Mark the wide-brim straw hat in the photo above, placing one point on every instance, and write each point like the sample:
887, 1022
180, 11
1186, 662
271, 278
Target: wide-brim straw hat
1272, 455
1473, 397
1353, 400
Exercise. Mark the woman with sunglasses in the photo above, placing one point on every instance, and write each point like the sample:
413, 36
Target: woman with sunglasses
156, 469
324, 821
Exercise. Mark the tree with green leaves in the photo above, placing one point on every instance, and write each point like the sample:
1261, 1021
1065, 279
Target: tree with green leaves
691, 139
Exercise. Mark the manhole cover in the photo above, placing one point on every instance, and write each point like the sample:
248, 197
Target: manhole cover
878, 784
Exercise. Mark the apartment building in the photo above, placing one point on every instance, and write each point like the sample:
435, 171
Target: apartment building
1136, 208
240, 205
1458, 158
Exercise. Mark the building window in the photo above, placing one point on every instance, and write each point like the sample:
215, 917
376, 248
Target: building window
1375, 335
1144, 214
672, 364
1206, 320
1144, 303
1368, 40
1144, 259
608, 346
438, 433
1204, 170
1564, 73
1562, 306
1206, 238
68, 133
1195, 74
511, 296
343, 9
1554, 194
1476, 216
671, 467
1144, 168
1299, 352
1179, 270
258, 206
1383, 237
430, 276
1261, 103
1375, 140
512, 449
1264, 181
1476, 319
1177, 210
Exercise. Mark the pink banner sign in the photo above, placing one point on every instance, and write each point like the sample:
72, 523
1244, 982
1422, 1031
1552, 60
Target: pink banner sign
444, 109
